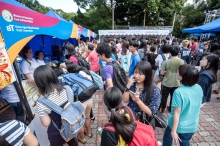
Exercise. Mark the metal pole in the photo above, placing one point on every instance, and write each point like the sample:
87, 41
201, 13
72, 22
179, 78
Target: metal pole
144, 19
21, 93
113, 14
113, 11
174, 19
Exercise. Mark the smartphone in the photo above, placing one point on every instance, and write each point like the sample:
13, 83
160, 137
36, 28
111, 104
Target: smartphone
131, 92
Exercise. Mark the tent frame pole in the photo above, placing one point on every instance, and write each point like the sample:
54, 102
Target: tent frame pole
20, 90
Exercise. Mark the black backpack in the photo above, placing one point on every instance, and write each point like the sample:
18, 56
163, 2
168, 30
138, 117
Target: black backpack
81, 60
120, 78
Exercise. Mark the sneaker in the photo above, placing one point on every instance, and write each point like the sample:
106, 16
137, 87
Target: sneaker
159, 143
92, 119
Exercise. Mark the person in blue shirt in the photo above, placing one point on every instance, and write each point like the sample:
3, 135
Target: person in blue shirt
185, 52
184, 117
135, 58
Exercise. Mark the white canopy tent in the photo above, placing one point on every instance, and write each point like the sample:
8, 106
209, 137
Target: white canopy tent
133, 32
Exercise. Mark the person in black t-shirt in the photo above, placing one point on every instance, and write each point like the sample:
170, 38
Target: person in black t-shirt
120, 119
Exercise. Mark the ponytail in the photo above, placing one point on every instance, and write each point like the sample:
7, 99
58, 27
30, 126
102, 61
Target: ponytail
124, 127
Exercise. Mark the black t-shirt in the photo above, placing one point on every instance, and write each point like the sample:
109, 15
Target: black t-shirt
152, 61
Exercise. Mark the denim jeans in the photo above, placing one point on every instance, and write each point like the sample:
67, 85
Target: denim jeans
167, 138
18, 111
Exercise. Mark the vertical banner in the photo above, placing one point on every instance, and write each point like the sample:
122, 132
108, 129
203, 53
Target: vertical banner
6, 73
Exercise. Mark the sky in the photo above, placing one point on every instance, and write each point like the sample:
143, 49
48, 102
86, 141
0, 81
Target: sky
65, 5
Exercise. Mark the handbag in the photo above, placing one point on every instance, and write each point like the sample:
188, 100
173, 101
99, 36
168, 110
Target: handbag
157, 120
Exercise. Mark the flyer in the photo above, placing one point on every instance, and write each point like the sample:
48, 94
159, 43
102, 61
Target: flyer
6, 73
31, 92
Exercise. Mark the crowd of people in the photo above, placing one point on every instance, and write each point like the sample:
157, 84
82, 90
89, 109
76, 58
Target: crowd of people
151, 71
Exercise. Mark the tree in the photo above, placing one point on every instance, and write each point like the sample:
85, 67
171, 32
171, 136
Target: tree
36, 6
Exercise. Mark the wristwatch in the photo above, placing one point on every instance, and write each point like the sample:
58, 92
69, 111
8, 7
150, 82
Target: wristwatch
126, 89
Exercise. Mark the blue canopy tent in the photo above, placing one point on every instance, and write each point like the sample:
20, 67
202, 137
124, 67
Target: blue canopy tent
198, 35
44, 42
213, 26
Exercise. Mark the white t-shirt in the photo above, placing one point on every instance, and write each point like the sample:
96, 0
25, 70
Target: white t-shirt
159, 60
121, 57
27, 68
10, 94
40, 62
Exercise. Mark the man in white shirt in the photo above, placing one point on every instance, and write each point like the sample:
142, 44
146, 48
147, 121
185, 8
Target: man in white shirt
9, 94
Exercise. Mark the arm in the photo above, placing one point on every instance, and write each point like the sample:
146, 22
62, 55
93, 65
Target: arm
30, 140
109, 82
28, 76
176, 117
163, 69
126, 96
143, 107
177, 105
45, 120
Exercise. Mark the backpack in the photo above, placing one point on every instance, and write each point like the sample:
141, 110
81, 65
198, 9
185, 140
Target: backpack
72, 116
120, 78
81, 60
86, 88
143, 134
145, 58
164, 59
125, 64
97, 79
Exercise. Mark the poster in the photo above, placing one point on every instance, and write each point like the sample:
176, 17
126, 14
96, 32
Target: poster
31, 92
6, 73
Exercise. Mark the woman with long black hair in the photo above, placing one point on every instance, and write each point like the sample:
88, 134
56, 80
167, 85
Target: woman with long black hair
141, 93
120, 119
49, 87
142, 50
151, 56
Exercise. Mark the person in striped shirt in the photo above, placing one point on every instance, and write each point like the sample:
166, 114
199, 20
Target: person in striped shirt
16, 133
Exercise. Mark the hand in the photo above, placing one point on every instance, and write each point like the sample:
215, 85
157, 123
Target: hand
175, 137
131, 80
135, 97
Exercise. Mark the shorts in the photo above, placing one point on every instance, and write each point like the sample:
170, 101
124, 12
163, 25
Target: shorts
88, 106
157, 79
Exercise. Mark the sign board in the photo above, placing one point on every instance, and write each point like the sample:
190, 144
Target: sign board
133, 32
31, 92
6, 73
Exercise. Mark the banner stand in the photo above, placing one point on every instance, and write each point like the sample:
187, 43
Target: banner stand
20, 90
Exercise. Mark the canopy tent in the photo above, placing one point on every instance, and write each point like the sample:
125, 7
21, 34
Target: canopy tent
213, 26
23, 24
133, 32
75, 26
198, 34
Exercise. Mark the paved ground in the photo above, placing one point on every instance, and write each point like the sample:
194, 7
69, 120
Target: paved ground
208, 133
